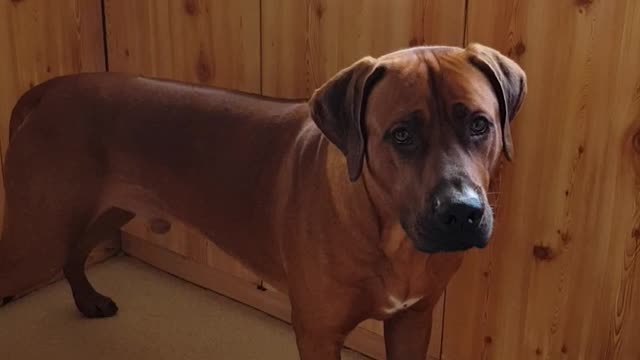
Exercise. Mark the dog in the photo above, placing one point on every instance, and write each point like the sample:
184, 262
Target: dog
358, 203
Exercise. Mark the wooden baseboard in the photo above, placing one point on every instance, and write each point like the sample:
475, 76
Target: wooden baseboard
266, 300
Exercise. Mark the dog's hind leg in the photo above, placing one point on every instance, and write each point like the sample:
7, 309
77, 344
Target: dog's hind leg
89, 302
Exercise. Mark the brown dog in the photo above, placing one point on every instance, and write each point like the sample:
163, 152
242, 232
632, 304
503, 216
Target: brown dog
356, 203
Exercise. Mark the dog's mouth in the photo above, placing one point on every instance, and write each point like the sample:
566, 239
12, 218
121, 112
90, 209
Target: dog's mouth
434, 243
430, 237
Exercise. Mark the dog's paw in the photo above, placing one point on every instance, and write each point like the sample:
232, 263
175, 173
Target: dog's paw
96, 306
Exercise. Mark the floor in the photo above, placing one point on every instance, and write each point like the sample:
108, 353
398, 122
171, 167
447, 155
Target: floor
161, 317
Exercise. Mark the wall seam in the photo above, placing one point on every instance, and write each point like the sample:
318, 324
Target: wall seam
105, 47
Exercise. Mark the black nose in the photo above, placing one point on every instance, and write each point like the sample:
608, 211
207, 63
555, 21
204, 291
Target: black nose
459, 213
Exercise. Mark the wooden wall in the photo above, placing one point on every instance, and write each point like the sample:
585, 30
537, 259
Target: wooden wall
560, 279
305, 42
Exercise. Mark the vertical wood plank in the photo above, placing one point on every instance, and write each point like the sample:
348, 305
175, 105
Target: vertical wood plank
559, 280
306, 42
442, 22
202, 41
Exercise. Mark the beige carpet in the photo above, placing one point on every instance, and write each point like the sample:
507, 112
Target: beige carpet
161, 317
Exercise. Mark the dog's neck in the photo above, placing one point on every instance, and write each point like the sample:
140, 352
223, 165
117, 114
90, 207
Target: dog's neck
351, 199
355, 202
406, 272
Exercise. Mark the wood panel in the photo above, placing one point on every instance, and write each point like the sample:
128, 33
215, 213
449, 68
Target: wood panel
560, 279
41, 39
199, 41
203, 41
305, 42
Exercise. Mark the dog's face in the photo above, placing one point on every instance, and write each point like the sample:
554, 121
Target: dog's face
428, 126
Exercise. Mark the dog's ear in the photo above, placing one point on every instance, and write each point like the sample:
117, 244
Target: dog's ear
338, 109
509, 83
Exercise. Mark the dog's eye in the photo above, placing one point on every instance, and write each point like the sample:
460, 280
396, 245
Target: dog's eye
479, 125
401, 136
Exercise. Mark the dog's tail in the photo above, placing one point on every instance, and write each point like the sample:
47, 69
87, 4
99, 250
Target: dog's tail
26, 103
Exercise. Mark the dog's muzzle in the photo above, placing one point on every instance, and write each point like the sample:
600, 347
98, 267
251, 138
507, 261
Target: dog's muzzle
457, 218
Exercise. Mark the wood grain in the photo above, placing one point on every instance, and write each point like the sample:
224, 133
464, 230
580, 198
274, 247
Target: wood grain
210, 42
560, 280
304, 43
41, 39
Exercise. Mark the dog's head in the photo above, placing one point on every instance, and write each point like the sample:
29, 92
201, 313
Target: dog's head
425, 128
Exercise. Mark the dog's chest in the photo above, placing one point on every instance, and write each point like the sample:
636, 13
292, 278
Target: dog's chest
402, 287
404, 274
409, 277
395, 304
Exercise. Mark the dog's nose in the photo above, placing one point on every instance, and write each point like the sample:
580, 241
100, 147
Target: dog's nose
459, 211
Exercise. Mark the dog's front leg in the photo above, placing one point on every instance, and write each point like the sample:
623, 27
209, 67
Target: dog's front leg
322, 323
407, 333
320, 332
318, 345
